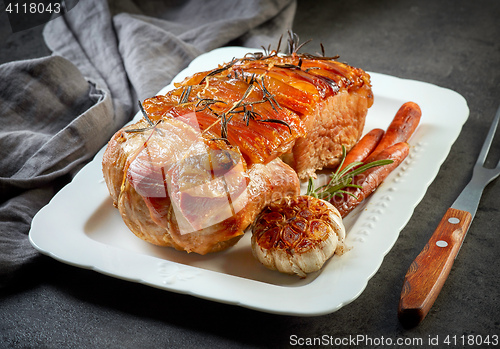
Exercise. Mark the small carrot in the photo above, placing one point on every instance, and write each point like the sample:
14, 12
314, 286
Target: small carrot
401, 128
367, 182
363, 148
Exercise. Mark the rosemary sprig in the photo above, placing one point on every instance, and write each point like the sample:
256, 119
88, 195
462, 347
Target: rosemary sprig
277, 121
220, 70
145, 114
268, 96
151, 124
147, 128
294, 42
185, 94
206, 103
342, 179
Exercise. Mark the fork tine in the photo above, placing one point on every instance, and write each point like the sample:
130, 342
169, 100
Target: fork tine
489, 139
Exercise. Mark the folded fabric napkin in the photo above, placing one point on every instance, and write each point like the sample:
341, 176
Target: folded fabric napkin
58, 111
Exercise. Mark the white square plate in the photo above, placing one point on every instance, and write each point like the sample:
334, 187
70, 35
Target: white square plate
81, 227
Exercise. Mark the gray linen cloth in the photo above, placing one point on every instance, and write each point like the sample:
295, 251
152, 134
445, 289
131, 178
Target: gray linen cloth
58, 111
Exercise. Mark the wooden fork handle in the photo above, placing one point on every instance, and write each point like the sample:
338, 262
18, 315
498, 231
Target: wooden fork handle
429, 270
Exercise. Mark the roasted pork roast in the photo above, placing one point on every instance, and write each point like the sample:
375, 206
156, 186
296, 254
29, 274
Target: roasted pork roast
210, 154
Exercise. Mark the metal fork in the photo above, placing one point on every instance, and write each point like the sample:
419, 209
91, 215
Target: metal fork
428, 272
469, 199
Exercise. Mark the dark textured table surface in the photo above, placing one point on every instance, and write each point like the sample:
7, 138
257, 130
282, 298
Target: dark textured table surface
453, 44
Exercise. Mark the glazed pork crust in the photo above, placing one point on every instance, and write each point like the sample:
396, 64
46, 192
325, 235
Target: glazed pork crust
330, 98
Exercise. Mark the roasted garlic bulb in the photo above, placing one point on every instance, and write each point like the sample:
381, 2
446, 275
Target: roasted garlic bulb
297, 235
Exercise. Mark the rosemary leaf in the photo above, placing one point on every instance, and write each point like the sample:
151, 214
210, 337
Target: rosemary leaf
145, 114
147, 128
310, 188
342, 179
185, 94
